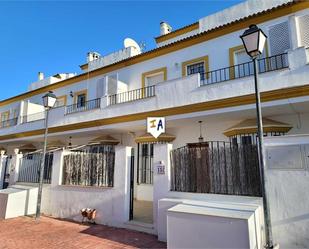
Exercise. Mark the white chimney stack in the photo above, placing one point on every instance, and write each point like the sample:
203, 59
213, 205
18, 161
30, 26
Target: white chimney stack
91, 56
40, 76
165, 28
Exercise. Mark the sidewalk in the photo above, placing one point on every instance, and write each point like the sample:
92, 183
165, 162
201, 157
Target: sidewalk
49, 233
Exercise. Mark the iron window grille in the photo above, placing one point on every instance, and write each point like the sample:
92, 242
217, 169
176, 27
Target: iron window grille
145, 163
197, 68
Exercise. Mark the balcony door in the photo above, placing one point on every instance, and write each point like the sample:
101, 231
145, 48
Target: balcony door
151, 80
242, 66
5, 116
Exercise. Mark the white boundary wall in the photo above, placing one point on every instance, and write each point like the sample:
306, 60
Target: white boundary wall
112, 204
165, 199
288, 185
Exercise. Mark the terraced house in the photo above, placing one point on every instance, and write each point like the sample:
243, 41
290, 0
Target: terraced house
199, 78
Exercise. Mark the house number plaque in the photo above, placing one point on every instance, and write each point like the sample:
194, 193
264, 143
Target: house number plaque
161, 168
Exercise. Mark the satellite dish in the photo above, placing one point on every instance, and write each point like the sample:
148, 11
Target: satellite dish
128, 42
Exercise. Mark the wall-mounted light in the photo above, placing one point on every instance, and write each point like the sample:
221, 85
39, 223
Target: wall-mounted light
71, 94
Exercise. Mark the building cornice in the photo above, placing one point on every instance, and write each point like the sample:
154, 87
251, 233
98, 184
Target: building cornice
283, 10
273, 95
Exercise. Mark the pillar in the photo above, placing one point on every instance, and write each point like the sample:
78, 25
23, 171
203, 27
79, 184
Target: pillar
122, 183
14, 169
161, 175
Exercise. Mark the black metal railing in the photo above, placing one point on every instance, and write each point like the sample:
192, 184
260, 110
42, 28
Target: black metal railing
8, 123
217, 168
33, 117
132, 95
84, 106
267, 64
29, 169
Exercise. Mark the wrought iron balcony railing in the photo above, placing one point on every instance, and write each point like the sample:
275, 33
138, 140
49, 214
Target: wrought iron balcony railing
267, 64
8, 123
84, 106
132, 95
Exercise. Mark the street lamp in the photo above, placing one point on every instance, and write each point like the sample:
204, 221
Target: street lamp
254, 41
49, 100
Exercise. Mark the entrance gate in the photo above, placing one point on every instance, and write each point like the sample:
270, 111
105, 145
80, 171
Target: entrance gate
131, 185
6, 174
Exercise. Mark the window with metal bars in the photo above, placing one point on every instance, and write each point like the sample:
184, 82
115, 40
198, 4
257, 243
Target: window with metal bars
145, 163
197, 68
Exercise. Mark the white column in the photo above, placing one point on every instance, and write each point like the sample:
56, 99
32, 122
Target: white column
294, 32
122, 183
161, 180
57, 168
21, 112
14, 169
104, 102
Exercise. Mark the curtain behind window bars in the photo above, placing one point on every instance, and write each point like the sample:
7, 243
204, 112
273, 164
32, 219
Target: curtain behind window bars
90, 166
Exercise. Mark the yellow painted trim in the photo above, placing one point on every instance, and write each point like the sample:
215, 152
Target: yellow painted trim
177, 32
279, 94
64, 97
235, 132
153, 139
152, 72
205, 36
204, 59
84, 66
76, 94
232, 59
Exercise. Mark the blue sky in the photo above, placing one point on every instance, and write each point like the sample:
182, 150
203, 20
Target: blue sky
54, 36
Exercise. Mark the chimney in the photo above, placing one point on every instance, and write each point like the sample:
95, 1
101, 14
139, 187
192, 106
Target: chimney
40, 76
91, 56
165, 28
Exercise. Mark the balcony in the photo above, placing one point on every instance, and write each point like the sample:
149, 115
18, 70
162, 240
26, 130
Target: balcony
33, 117
132, 95
84, 106
8, 123
268, 64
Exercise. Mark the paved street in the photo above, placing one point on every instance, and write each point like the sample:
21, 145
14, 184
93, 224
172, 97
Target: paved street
48, 233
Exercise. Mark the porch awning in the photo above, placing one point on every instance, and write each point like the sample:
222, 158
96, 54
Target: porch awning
55, 144
104, 139
249, 126
27, 148
148, 138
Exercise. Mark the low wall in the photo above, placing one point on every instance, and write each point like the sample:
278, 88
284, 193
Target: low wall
112, 204
212, 226
250, 204
287, 187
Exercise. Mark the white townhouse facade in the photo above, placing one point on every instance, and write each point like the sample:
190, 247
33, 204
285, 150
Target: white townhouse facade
200, 72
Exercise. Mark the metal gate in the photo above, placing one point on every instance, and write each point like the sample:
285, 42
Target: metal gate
29, 168
131, 185
6, 175
217, 168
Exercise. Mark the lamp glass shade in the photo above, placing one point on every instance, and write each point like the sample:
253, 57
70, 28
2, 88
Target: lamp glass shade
254, 41
49, 100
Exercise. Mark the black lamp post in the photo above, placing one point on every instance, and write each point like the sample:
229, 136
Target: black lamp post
49, 101
254, 41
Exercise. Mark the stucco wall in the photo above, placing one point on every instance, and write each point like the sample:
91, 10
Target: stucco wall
287, 188
112, 204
